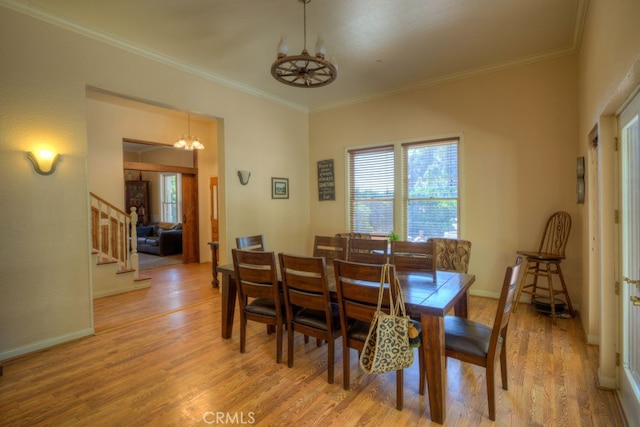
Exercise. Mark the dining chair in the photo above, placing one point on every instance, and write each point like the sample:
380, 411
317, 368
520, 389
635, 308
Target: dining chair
451, 254
413, 256
251, 243
545, 262
368, 251
476, 343
259, 295
330, 247
358, 286
308, 305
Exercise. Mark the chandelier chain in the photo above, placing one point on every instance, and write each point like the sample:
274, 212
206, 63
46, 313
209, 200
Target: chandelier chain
304, 20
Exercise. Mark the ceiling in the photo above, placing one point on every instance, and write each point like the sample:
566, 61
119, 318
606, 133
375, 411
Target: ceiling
381, 46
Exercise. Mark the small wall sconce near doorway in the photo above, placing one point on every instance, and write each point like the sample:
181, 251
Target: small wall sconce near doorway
44, 162
244, 177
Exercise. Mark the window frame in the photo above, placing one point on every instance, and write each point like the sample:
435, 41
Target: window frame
401, 200
161, 198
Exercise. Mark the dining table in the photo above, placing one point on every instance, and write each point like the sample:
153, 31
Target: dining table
426, 295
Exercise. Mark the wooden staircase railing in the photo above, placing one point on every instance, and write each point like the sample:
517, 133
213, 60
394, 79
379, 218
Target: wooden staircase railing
113, 236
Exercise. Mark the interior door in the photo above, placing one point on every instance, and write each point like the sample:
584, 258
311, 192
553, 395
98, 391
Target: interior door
629, 151
190, 243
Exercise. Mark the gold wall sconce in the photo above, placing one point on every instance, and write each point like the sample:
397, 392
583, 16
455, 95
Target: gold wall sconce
44, 162
244, 177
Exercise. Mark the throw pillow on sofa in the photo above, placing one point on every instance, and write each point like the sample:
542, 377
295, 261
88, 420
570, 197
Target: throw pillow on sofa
144, 231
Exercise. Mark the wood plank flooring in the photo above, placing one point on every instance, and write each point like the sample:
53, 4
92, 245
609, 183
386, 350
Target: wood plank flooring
158, 359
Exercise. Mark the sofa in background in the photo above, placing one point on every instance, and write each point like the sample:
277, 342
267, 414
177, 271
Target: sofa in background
163, 238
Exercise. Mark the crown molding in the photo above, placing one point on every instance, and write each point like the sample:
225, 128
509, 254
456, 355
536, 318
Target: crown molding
40, 14
475, 72
23, 6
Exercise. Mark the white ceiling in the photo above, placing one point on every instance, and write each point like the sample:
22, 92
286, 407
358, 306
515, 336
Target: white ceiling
381, 46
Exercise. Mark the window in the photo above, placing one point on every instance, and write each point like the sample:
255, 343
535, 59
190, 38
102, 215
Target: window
417, 195
371, 189
430, 187
170, 197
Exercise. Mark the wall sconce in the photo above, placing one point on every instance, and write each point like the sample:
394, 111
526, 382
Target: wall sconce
44, 162
244, 177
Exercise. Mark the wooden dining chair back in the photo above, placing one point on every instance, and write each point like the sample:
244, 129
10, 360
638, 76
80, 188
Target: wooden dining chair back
451, 254
413, 256
308, 305
358, 286
330, 248
479, 344
353, 235
368, 251
545, 262
259, 295
251, 243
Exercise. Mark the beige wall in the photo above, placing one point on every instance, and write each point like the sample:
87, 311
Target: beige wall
44, 263
609, 72
517, 152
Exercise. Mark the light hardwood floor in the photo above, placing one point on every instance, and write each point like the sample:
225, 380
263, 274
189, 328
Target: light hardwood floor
158, 359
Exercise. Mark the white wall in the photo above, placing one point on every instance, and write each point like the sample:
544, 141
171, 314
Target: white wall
44, 263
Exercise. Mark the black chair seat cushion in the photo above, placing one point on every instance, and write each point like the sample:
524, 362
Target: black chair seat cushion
466, 336
316, 318
262, 306
359, 330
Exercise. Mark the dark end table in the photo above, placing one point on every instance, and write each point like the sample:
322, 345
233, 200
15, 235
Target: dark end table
214, 263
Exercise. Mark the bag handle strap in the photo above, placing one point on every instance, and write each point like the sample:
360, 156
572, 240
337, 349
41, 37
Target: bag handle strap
395, 307
400, 297
383, 278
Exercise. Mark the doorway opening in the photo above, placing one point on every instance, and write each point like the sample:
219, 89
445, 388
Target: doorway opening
168, 206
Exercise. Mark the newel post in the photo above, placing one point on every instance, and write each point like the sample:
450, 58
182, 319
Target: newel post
134, 242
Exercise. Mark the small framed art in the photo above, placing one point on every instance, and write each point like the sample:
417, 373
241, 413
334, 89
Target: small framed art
279, 188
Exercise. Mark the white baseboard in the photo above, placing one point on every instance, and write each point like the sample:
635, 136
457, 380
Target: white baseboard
486, 294
593, 339
49, 342
608, 383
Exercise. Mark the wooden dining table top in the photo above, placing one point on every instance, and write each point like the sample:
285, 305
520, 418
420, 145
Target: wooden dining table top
421, 291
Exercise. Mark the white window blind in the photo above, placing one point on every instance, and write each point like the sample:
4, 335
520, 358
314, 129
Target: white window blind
371, 190
430, 189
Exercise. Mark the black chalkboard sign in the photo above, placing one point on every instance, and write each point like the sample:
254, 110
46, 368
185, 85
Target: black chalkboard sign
326, 184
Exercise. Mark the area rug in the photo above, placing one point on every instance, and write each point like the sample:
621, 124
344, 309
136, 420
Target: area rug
147, 261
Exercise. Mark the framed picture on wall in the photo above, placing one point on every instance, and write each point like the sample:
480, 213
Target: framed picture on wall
326, 182
279, 188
